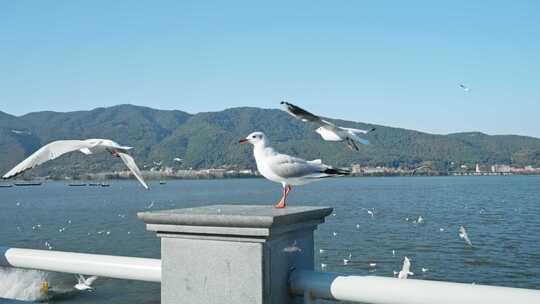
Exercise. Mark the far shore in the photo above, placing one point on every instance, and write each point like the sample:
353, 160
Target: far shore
103, 177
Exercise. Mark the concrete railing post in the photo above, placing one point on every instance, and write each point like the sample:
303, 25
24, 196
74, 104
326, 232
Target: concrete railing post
233, 253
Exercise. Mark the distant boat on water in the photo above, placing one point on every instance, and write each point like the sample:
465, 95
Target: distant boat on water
104, 185
6, 186
77, 185
27, 184
162, 182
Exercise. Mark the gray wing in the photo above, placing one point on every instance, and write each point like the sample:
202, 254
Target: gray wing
132, 166
80, 278
359, 131
291, 167
359, 139
48, 152
304, 115
90, 280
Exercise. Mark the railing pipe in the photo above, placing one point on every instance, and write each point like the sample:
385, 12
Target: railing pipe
118, 267
383, 290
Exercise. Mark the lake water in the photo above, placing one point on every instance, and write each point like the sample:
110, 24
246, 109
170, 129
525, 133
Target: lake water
501, 215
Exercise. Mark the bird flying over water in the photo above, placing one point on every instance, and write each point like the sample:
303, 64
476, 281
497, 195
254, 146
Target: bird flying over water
327, 130
285, 169
464, 236
406, 269
85, 284
413, 172
465, 88
89, 146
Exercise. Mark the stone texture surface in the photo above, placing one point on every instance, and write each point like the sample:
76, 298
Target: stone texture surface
233, 253
255, 216
211, 271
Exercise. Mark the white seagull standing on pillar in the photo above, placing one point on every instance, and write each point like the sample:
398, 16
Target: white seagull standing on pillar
90, 146
327, 130
286, 169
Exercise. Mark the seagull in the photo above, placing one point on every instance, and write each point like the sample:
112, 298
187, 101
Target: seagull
413, 172
348, 259
420, 220
425, 269
292, 248
465, 88
177, 159
85, 284
48, 245
406, 269
89, 146
327, 130
19, 132
285, 169
464, 236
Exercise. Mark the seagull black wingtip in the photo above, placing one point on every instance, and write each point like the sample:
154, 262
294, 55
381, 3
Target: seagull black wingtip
337, 171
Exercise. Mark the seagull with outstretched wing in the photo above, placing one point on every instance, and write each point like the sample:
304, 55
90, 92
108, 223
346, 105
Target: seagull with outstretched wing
327, 130
85, 283
58, 148
405, 270
464, 236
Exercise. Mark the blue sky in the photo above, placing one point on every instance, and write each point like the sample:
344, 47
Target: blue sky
396, 63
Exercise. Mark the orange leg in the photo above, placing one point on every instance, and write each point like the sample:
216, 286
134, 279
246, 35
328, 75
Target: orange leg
114, 152
283, 202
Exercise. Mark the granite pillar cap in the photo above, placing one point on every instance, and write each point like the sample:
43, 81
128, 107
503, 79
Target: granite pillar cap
238, 216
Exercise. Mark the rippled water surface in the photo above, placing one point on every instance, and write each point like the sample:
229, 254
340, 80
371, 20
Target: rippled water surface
501, 215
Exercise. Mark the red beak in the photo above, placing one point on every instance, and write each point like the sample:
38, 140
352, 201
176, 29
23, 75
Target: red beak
243, 141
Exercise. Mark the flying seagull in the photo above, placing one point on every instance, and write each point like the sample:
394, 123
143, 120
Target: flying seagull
465, 88
286, 169
406, 269
464, 236
327, 130
413, 172
89, 146
85, 284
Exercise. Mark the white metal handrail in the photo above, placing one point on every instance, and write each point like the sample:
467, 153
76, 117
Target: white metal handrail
383, 290
119, 267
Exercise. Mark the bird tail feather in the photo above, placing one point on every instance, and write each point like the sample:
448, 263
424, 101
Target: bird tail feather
337, 171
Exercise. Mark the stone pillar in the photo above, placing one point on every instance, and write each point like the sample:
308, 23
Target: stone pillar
233, 253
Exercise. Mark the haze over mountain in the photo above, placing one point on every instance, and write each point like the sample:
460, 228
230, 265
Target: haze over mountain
210, 139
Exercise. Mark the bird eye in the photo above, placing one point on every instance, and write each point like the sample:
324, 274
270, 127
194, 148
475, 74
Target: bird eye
254, 136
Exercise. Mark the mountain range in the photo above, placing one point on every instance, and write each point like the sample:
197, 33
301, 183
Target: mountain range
210, 140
